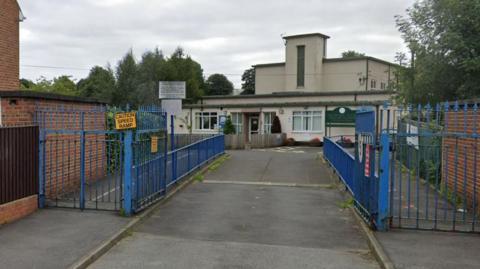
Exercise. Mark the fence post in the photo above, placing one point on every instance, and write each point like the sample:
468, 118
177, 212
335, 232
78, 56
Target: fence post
82, 161
41, 170
172, 148
127, 172
383, 199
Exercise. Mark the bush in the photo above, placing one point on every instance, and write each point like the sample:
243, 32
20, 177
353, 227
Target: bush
315, 142
229, 128
290, 142
276, 126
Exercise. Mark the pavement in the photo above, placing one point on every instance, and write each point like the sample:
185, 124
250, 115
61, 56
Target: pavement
415, 249
55, 238
226, 222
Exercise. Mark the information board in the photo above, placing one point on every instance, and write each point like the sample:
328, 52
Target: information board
172, 90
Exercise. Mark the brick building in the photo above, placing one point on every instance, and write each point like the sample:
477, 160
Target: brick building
10, 16
61, 151
461, 155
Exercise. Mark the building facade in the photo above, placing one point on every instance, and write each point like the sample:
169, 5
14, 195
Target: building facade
312, 95
10, 16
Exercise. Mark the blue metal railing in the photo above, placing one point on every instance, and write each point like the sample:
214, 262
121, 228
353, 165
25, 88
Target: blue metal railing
153, 176
341, 161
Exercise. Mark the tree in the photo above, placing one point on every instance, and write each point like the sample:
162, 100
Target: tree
218, 84
100, 83
229, 128
59, 85
127, 81
276, 126
352, 54
151, 70
248, 79
443, 37
181, 67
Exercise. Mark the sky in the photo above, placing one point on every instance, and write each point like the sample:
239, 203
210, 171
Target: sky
224, 36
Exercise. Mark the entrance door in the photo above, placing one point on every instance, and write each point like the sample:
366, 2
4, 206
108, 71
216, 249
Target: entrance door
253, 127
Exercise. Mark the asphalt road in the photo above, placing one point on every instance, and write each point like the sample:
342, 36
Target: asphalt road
232, 223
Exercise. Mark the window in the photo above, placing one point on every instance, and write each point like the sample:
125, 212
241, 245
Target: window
206, 120
307, 121
237, 120
382, 85
267, 122
300, 66
373, 84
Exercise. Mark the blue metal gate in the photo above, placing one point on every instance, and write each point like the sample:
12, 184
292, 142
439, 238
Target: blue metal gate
366, 179
86, 164
433, 166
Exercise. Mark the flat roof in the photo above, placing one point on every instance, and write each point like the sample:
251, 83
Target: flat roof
298, 94
48, 96
269, 64
306, 35
359, 58
293, 104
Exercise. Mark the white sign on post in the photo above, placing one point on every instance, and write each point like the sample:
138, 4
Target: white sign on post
412, 138
172, 106
172, 90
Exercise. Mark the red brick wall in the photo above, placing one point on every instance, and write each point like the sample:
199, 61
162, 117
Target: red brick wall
9, 45
62, 151
17, 209
459, 155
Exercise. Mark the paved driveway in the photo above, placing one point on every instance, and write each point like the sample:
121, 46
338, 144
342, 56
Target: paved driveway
233, 223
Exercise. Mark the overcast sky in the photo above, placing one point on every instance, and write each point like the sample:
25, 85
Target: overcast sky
224, 36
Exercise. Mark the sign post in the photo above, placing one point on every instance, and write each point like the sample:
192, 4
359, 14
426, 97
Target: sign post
171, 93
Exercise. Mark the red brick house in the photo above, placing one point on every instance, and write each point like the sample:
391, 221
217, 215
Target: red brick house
10, 17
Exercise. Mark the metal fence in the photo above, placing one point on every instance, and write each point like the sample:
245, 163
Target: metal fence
18, 163
86, 164
341, 161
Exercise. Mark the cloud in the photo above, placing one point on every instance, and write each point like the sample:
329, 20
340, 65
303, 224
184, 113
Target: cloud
225, 36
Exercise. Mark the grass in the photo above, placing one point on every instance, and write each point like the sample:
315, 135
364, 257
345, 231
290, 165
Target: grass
347, 203
216, 164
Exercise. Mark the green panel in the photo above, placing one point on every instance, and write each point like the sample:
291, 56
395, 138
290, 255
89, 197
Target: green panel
340, 117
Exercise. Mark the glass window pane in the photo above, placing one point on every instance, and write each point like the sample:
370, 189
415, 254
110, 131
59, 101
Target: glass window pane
297, 123
213, 120
206, 122
300, 66
306, 124
317, 123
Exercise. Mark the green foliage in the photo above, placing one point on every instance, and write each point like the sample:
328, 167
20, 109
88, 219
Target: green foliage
100, 84
130, 82
347, 203
218, 84
248, 79
229, 127
276, 126
127, 82
444, 39
352, 54
59, 85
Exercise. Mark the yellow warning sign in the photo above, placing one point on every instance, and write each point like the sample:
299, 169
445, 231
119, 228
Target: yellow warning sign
125, 120
154, 144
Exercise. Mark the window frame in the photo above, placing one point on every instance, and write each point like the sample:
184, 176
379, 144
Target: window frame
307, 116
237, 121
206, 114
267, 127
301, 66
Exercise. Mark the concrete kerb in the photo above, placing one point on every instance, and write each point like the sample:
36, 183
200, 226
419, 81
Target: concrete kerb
105, 246
377, 249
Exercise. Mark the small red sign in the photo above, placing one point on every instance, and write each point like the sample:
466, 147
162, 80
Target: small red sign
367, 160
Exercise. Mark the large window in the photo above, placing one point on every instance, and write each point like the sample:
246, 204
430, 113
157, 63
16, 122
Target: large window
300, 66
267, 122
206, 120
307, 121
237, 120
